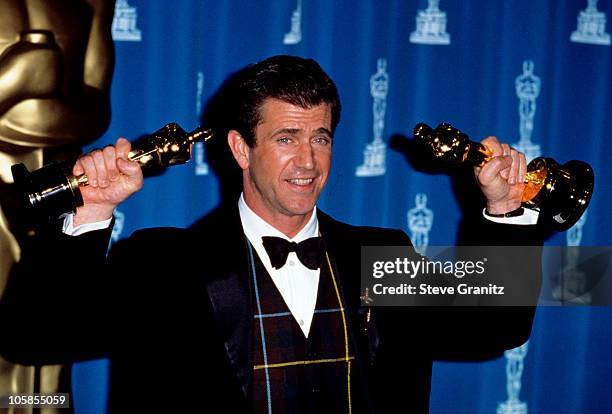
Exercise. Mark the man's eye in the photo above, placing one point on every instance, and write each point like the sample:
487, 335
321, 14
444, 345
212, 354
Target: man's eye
284, 140
322, 140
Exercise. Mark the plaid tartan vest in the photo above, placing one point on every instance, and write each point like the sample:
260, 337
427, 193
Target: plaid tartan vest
292, 373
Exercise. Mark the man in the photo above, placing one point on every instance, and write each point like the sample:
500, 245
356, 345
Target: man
243, 324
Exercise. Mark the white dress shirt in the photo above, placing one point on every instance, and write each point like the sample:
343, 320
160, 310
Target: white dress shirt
69, 228
528, 218
296, 283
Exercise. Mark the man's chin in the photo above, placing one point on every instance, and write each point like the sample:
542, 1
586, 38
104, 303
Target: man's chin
300, 209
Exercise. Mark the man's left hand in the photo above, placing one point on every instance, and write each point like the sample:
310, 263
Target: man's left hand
501, 180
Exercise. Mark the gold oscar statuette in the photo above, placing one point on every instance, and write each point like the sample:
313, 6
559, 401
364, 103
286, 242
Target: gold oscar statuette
561, 192
52, 190
56, 67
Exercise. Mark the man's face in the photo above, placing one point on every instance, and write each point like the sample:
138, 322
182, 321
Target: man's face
288, 167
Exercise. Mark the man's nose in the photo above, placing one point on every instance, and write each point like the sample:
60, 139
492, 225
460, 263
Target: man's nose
304, 158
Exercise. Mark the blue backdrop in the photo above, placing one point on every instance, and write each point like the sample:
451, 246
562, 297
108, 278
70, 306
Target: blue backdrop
536, 73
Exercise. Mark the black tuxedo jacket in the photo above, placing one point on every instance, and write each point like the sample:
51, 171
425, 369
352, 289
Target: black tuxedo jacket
172, 310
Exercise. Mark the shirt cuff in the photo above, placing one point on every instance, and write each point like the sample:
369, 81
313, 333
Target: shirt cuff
528, 218
69, 229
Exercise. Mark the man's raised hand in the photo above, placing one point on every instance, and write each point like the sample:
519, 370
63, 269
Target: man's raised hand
501, 180
112, 178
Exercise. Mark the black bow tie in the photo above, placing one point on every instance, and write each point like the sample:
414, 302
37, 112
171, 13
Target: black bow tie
310, 251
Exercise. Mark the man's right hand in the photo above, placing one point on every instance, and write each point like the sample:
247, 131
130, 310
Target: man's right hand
112, 179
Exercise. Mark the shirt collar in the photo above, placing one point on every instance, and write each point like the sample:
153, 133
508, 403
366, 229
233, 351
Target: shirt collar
255, 227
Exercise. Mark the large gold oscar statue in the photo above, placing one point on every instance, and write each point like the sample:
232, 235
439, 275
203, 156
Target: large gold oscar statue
56, 63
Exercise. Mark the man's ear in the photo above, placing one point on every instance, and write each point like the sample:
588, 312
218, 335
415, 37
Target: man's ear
239, 148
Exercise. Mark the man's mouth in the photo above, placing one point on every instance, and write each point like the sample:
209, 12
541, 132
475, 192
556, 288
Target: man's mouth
300, 181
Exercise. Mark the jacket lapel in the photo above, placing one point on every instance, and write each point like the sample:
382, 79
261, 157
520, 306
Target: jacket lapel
343, 247
229, 287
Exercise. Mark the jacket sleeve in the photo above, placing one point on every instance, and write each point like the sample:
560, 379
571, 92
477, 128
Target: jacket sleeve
484, 330
53, 308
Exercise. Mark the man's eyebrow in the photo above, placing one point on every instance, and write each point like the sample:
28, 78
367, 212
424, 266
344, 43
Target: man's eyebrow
290, 131
293, 131
325, 131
